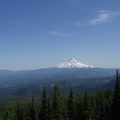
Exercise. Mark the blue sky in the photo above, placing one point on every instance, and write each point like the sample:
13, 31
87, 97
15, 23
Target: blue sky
44, 33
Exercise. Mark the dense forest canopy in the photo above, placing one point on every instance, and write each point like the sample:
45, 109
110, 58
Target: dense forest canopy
104, 105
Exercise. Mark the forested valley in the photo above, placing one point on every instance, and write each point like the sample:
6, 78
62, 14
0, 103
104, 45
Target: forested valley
104, 105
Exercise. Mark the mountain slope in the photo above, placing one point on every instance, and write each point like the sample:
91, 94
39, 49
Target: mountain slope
70, 74
72, 63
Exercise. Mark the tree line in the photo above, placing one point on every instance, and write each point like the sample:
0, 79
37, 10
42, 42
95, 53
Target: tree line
101, 106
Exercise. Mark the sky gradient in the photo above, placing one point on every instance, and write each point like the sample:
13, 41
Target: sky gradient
44, 33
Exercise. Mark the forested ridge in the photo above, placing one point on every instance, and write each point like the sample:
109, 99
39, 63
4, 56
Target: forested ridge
104, 105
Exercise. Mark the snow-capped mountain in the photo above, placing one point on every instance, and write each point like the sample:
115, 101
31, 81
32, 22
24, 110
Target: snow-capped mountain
72, 63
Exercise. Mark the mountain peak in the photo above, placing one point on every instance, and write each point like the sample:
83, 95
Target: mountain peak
72, 60
73, 63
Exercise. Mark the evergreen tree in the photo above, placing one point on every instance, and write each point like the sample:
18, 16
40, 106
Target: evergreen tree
28, 112
18, 112
109, 100
22, 114
46, 110
9, 112
116, 100
50, 111
93, 107
72, 112
97, 109
64, 111
33, 112
79, 107
59, 112
101, 107
86, 106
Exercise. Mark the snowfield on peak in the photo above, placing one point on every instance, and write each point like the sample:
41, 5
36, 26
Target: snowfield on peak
72, 63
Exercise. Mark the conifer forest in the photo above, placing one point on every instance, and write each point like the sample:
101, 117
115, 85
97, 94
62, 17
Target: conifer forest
104, 105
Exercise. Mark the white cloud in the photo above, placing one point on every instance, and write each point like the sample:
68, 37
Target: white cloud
77, 23
103, 17
56, 33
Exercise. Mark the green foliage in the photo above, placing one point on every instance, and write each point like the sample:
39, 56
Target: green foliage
18, 112
80, 107
109, 100
101, 106
8, 112
86, 106
46, 109
58, 107
72, 112
92, 107
116, 101
31, 113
